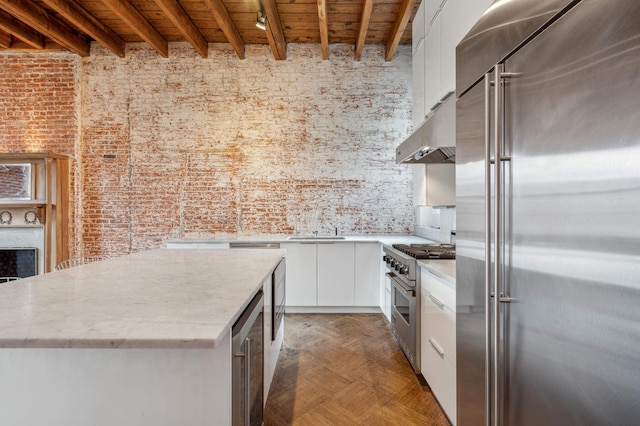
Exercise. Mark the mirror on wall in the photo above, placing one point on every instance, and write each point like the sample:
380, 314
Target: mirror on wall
15, 181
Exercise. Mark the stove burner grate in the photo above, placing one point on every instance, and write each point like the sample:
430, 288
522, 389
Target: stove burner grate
428, 251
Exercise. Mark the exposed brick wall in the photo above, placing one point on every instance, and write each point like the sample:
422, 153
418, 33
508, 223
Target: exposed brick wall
187, 147
39, 100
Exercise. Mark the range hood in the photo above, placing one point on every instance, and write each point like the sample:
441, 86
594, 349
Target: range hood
434, 141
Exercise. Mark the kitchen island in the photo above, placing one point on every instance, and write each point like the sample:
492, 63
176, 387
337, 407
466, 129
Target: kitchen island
142, 339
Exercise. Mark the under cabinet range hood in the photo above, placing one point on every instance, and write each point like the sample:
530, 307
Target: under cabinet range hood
434, 141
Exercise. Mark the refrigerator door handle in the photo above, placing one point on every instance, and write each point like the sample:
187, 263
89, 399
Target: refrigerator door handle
487, 243
497, 227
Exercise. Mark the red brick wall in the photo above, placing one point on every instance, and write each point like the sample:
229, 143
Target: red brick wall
187, 147
39, 106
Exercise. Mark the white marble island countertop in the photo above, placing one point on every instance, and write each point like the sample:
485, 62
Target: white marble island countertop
154, 299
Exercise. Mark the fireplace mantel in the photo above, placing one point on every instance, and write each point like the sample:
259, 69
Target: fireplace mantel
45, 204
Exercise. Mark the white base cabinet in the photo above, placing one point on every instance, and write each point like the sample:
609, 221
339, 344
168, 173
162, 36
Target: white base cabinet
438, 338
301, 287
335, 274
367, 275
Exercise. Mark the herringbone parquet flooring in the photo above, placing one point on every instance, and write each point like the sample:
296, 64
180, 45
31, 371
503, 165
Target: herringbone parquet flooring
346, 369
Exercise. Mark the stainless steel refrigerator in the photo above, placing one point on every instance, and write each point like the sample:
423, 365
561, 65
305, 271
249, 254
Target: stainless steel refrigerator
548, 214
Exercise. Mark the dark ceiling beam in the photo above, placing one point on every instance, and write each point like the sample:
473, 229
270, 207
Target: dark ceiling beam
48, 25
20, 30
227, 26
176, 14
86, 22
364, 26
275, 36
139, 24
324, 28
404, 15
5, 39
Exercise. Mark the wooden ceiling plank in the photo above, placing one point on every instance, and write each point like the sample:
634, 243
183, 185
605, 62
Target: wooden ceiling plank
324, 28
364, 27
50, 26
20, 30
404, 15
5, 39
185, 25
275, 36
227, 26
86, 22
139, 24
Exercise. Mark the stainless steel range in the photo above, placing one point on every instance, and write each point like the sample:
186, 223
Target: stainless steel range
401, 260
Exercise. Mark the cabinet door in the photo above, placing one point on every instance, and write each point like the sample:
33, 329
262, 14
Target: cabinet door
432, 67
301, 289
417, 68
458, 16
336, 274
367, 276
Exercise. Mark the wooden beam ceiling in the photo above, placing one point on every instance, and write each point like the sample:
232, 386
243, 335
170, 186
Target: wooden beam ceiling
275, 36
78, 16
21, 31
139, 24
227, 26
72, 24
324, 28
45, 23
364, 26
404, 15
5, 39
176, 14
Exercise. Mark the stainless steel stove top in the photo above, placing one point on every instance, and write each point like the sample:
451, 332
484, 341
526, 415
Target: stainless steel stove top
427, 251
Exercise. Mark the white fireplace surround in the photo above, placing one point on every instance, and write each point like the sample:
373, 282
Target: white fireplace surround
23, 237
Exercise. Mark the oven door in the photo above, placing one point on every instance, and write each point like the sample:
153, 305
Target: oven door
404, 316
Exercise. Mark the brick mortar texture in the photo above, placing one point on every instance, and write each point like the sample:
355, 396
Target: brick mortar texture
218, 147
39, 110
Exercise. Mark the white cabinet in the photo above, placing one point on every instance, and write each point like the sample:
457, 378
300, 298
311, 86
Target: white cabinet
418, 77
336, 274
301, 289
438, 337
367, 275
433, 64
446, 23
332, 274
458, 16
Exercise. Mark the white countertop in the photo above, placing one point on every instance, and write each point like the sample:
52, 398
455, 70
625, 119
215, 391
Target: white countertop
153, 299
446, 268
384, 239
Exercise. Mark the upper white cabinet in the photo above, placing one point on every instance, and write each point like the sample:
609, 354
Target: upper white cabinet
418, 77
458, 16
446, 23
433, 64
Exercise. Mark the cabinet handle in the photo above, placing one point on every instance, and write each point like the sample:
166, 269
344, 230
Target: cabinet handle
247, 382
436, 347
436, 301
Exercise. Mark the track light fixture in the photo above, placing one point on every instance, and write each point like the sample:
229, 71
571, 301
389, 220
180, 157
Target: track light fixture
261, 20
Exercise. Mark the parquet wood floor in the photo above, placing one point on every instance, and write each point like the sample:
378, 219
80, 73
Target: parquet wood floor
346, 369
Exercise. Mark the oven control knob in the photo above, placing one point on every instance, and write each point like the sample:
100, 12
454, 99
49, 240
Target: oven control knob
384, 258
398, 266
403, 270
392, 263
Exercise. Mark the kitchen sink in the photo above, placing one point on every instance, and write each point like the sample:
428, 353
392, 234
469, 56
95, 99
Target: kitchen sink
315, 237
